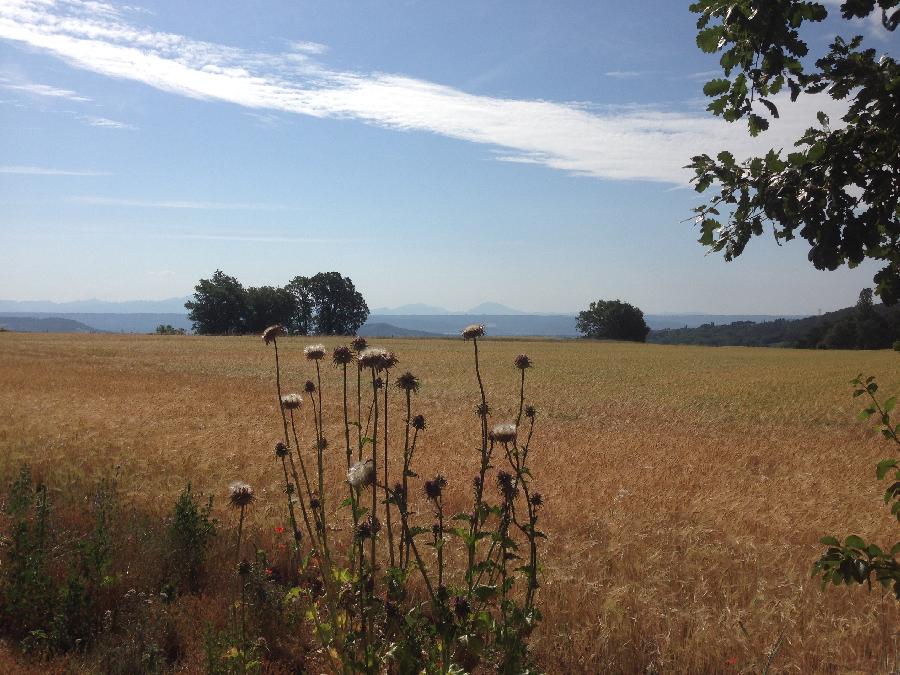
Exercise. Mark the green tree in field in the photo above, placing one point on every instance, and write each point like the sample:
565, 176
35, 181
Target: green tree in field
327, 304
301, 320
839, 188
267, 305
219, 306
612, 320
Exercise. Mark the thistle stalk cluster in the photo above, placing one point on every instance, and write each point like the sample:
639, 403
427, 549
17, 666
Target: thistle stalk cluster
366, 570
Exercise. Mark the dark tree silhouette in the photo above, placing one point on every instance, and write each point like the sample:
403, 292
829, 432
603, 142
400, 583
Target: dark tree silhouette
612, 320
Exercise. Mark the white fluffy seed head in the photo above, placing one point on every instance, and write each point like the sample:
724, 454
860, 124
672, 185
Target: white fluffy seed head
503, 433
291, 401
314, 352
476, 330
361, 474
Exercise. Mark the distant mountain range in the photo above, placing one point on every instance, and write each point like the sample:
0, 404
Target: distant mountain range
420, 309
106, 322
33, 324
167, 306
381, 325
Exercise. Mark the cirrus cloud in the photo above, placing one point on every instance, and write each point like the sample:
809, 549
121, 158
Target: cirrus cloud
650, 143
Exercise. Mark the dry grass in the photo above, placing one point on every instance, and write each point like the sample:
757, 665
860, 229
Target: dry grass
686, 488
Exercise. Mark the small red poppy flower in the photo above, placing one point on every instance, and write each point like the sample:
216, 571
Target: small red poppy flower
279, 530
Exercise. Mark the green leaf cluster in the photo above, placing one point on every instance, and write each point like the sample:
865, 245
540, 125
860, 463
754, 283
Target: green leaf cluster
839, 188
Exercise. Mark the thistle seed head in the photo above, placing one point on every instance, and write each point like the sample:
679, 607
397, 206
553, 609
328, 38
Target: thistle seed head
364, 530
522, 362
358, 344
371, 357
361, 474
379, 383
503, 433
418, 422
240, 494
507, 485
408, 382
281, 450
315, 502
341, 356
322, 443
537, 499
435, 486
483, 410
530, 412
291, 401
272, 333
476, 330
309, 387
314, 352
399, 496
243, 568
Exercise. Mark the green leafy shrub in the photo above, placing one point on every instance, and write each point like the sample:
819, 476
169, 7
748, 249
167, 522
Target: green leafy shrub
190, 534
854, 561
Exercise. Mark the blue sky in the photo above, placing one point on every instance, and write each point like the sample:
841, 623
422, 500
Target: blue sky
528, 153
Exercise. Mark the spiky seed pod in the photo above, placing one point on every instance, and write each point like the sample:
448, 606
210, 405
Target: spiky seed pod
418, 422
436, 529
309, 387
388, 360
399, 496
530, 412
507, 485
522, 362
364, 530
281, 450
322, 443
243, 568
475, 330
435, 486
537, 499
371, 357
503, 433
408, 382
291, 401
483, 410
379, 383
314, 352
315, 502
341, 356
298, 535
461, 607
358, 344
240, 494
272, 333
361, 474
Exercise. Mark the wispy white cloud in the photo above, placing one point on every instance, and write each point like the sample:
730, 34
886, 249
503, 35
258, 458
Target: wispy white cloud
308, 47
106, 123
177, 204
610, 143
45, 90
47, 171
626, 74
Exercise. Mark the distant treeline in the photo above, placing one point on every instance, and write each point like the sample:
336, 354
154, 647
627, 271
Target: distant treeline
865, 326
324, 304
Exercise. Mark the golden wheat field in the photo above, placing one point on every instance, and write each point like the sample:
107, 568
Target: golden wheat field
686, 488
